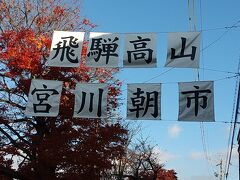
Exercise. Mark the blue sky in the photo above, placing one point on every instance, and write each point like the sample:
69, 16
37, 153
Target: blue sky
193, 149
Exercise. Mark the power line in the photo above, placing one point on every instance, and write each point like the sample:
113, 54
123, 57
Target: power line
220, 79
221, 28
205, 69
158, 75
222, 35
223, 71
203, 136
234, 26
144, 82
175, 120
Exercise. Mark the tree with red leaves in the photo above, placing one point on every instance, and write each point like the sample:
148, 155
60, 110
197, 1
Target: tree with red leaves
45, 147
141, 162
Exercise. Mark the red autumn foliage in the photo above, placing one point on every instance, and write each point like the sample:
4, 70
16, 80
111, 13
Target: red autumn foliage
44, 147
22, 51
166, 175
141, 161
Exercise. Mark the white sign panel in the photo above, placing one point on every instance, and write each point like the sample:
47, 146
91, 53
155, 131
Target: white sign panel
143, 101
91, 100
66, 49
103, 50
196, 101
140, 50
44, 98
183, 50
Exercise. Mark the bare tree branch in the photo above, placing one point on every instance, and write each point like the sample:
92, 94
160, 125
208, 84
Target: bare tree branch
8, 172
15, 143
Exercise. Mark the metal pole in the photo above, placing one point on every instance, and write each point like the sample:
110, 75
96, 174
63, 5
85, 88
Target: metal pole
238, 139
235, 122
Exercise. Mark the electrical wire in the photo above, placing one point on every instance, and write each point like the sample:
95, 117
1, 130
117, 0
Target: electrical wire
204, 69
233, 26
202, 128
165, 72
175, 82
221, 36
174, 121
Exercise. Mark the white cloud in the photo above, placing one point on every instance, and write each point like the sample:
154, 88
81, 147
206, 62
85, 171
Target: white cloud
174, 131
203, 177
164, 156
195, 155
214, 157
235, 152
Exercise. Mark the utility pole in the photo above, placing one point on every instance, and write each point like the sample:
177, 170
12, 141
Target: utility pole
221, 170
237, 115
238, 139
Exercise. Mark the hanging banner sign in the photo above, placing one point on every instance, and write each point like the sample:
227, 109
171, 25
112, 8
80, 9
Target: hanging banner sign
140, 50
91, 100
143, 101
103, 50
183, 50
196, 101
44, 98
66, 49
